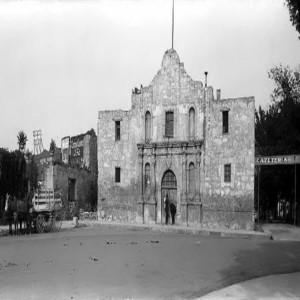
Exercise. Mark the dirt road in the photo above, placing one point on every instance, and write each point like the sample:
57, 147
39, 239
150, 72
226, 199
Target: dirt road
98, 264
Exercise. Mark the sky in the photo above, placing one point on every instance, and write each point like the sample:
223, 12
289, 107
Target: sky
63, 61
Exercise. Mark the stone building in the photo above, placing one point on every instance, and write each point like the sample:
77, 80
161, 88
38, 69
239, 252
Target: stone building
178, 141
72, 171
80, 151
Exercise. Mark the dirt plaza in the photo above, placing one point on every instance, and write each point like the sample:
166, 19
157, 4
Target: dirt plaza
99, 263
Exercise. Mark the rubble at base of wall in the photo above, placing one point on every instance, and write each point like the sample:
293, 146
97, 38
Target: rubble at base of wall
208, 219
119, 215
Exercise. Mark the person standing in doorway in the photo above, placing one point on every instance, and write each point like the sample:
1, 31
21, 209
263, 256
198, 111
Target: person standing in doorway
167, 208
173, 212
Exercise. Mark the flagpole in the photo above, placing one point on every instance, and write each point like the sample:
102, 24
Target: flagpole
173, 24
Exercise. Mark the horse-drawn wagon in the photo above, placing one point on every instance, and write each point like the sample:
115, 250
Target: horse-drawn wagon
42, 211
46, 211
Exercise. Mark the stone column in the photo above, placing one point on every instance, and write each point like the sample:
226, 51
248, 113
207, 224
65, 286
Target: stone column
141, 162
184, 188
187, 189
185, 179
198, 163
184, 173
198, 208
154, 180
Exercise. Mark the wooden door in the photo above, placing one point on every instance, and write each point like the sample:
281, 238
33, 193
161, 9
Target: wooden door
168, 188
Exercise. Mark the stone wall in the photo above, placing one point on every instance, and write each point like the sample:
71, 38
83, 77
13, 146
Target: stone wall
118, 201
83, 184
231, 204
172, 89
176, 157
57, 177
80, 151
213, 203
93, 155
177, 95
162, 95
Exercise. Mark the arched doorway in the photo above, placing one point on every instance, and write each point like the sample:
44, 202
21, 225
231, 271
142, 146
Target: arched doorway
168, 189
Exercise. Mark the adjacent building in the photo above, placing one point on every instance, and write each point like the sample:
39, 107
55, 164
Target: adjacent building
80, 151
178, 141
72, 170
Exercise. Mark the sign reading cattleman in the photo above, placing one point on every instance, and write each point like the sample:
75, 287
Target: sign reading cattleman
277, 160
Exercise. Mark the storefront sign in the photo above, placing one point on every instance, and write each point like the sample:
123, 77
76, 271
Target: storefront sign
277, 160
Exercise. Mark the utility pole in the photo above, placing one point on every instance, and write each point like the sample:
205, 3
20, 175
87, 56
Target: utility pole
258, 195
295, 199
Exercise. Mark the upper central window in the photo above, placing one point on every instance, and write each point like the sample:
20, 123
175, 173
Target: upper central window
169, 124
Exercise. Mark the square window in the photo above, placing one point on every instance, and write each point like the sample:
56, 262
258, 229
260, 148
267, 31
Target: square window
225, 121
169, 130
118, 130
227, 173
118, 175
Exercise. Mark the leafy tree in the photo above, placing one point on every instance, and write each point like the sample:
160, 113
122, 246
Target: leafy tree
18, 175
22, 139
294, 10
277, 132
31, 171
278, 127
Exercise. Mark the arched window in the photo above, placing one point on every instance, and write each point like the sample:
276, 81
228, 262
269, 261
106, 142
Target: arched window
148, 126
191, 177
147, 177
169, 180
192, 123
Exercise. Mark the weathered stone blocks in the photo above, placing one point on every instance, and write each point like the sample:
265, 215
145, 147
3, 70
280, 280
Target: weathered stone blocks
209, 201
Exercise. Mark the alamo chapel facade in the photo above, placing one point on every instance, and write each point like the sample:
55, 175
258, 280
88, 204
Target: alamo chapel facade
180, 142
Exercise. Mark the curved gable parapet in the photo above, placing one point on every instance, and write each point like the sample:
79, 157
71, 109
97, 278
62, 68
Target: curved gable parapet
172, 83
170, 58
